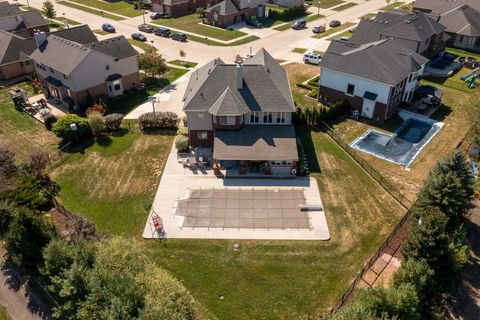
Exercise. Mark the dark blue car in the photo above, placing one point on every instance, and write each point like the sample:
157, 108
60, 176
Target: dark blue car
107, 27
139, 37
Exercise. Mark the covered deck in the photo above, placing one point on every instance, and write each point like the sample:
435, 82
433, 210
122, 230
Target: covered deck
259, 150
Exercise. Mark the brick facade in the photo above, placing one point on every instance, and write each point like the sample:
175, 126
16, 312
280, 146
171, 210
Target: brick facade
16, 69
194, 138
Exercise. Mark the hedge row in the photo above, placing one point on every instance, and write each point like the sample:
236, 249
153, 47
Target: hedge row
287, 14
315, 116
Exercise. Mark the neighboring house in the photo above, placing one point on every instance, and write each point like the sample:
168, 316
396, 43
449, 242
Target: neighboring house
230, 12
73, 72
461, 19
244, 112
15, 50
24, 21
375, 77
175, 8
414, 30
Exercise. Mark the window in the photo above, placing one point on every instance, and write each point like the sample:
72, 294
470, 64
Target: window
51, 70
110, 88
280, 117
200, 115
107, 67
117, 87
227, 120
410, 77
350, 89
254, 118
267, 117
202, 135
65, 76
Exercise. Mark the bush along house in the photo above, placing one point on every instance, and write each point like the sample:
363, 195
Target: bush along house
243, 112
375, 78
74, 73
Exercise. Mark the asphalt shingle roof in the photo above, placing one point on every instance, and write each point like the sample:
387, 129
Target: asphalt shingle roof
14, 48
463, 20
265, 85
383, 61
117, 47
225, 7
228, 104
440, 7
416, 26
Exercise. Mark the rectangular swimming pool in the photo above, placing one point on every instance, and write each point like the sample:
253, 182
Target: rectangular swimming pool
403, 146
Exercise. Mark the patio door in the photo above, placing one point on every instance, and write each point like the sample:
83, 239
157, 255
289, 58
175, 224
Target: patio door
368, 108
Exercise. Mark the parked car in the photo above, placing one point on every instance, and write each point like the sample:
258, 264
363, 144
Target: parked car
156, 15
334, 23
300, 24
179, 36
138, 36
145, 28
107, 27
312, 58
163, 32
254, 23
319, 29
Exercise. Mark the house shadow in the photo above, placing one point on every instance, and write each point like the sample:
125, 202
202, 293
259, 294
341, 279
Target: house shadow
442, 113
15, 282
305, 135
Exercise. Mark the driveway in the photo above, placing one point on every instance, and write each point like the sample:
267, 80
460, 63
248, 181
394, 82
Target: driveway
168, 99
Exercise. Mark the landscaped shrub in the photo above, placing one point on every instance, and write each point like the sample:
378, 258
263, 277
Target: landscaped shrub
7, 161
62, 128
313, 93
33, 192
49, 120
158, 120
97, 107
113, 121
287, 14
314, 116
183, 131
306, 86
97, 123
181, 143
314, 82
37, 163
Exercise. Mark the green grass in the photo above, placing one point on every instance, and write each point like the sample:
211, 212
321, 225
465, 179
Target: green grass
120, 7
55, 25
129, 101
20, 133
211, 42
91, 10
325, 4
142, 45
299, 50
191, 23
346, 34
392, 5
4, 314
283, 27
299, 73
182, 63
369, 16
314, 17
70, 22
288, 25
345, 6
333, 30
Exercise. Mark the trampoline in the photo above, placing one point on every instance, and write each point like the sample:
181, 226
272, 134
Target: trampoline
402, 147
243, 208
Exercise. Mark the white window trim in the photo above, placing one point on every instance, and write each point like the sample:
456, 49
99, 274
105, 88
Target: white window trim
346, 91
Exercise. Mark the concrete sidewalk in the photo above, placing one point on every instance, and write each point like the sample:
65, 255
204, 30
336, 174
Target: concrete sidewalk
177, 180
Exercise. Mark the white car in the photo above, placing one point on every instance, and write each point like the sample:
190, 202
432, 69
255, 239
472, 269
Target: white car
312, 58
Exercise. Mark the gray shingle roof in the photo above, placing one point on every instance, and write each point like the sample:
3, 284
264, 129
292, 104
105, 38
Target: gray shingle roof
228, 104
117, 47
80, 34
22, 20
14, 48
442, 6
463, 20
265, 85
416, 26
383, 61
225, 7
7, 9
256, 143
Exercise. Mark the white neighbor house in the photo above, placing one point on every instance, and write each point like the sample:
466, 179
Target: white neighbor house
374, 77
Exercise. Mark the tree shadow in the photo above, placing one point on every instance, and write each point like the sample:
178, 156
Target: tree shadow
104, 140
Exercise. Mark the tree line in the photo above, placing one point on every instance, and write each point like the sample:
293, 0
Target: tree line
90, 275
435, 251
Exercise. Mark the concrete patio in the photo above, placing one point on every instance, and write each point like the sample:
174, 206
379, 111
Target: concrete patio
178, 182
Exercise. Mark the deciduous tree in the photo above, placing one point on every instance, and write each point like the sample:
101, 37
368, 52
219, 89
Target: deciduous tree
153, 63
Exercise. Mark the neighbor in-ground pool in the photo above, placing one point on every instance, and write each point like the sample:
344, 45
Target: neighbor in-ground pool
403, 146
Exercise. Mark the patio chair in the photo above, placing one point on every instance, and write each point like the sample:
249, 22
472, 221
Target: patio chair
192, 161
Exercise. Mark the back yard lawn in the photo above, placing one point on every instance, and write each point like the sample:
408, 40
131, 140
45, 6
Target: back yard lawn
451, 135
114, 185
21, 133
192, 23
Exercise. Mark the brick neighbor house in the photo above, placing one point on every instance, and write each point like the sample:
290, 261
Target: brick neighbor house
228, 12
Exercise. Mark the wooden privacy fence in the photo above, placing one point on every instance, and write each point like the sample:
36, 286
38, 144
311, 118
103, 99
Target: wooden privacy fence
393, 191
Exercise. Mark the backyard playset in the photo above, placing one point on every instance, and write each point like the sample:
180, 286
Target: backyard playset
471, 78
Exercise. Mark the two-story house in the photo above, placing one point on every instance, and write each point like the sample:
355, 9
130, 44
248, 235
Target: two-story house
24, 22
461, 19
73, 72
244, 112
228, 12
176, 8
414, 30
374, 77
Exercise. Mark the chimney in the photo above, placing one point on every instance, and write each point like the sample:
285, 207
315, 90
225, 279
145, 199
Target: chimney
40, 38
239, 76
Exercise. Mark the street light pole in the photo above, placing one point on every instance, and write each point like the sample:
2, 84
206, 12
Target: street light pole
143, 14
152, 44
65, 21
318, 8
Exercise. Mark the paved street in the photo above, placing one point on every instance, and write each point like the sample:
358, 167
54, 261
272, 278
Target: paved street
279, 44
